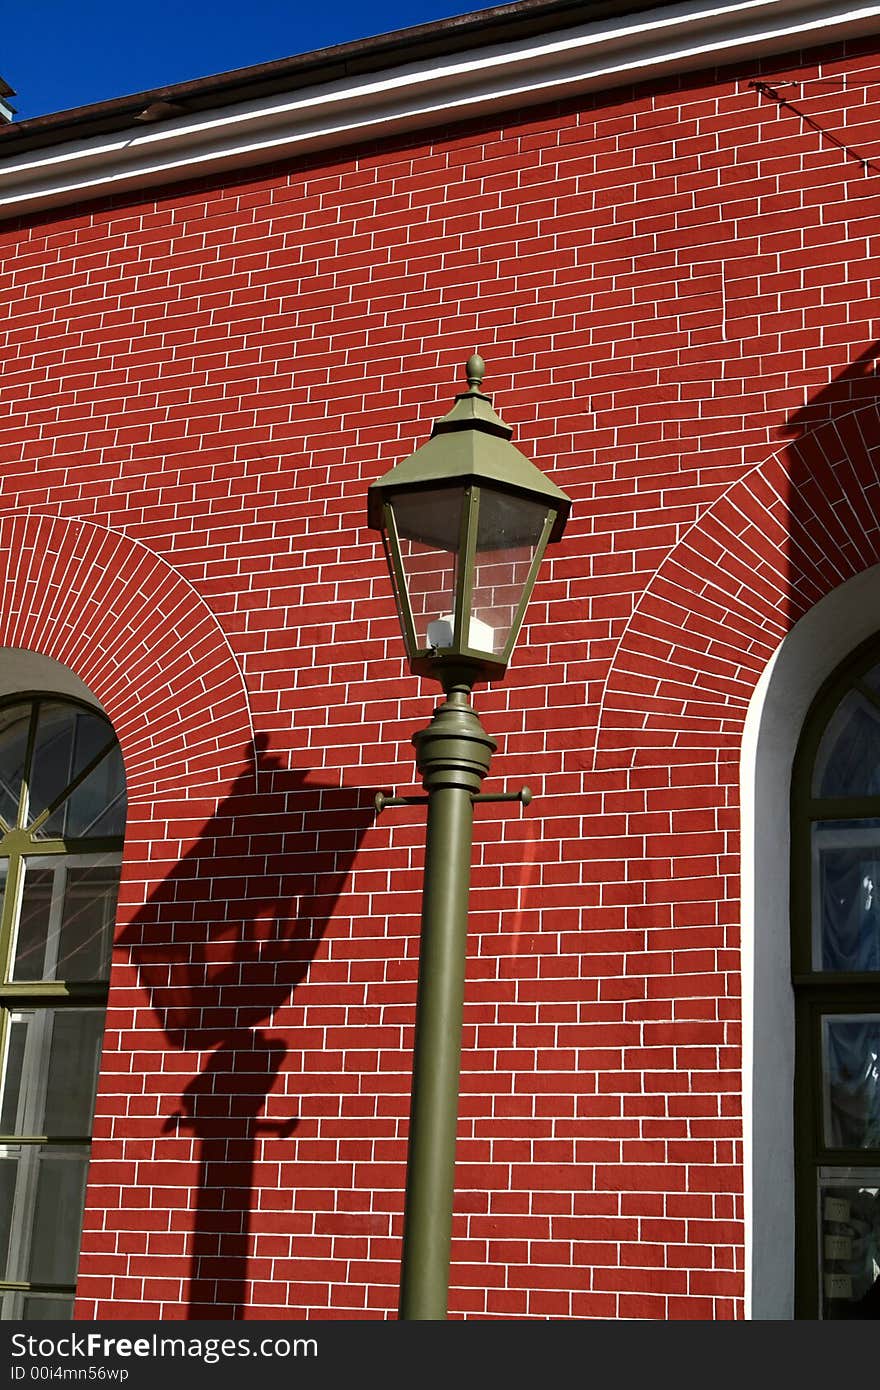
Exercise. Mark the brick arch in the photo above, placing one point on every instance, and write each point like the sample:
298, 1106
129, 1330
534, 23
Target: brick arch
142, 640
793, 528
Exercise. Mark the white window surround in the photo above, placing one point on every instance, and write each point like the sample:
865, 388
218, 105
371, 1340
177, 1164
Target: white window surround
494, 78
816, 645
24, 671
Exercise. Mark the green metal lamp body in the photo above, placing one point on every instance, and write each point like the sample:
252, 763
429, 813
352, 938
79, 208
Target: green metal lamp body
466, 520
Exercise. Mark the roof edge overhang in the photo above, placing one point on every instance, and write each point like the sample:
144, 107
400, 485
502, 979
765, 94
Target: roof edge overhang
455, 460
328, 100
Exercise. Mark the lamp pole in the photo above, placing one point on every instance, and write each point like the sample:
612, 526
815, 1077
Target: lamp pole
465, 521
452, 755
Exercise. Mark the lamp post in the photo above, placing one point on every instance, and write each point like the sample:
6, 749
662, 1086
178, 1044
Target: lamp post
465, 521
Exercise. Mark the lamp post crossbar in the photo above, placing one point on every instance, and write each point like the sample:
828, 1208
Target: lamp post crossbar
524, 796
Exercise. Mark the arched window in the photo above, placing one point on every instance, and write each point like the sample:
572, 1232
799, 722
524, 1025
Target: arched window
836, 976
62, 821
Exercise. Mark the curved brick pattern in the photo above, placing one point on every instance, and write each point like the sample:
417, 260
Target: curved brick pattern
719, 605
142, 641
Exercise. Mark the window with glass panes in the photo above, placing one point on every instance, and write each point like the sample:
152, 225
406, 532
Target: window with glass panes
836, 976
62, 821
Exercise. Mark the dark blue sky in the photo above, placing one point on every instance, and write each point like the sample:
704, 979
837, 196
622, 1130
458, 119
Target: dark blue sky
63, 53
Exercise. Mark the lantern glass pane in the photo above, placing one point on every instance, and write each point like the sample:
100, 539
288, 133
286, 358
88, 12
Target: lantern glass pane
508, 534
429, 530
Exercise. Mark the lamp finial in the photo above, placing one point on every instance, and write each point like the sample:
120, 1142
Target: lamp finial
476, 370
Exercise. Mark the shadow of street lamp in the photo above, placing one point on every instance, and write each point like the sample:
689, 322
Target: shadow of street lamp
465, 522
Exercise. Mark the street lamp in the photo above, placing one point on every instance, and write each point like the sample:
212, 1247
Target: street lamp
465, 521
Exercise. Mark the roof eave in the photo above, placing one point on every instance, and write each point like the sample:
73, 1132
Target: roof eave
318, 111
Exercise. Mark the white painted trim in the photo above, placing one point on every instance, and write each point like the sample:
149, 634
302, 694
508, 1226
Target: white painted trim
23, 670
816, 645
490, 79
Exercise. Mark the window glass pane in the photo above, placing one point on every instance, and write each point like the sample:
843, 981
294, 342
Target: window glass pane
67, 739
17, 1306
851, 1080
848, 760
849, 1241
57, 1216
51, 1073
45, 1308
846, 895
33, 933
4, 865
14, 725
87, 919
872, 679
42, 1194
16, 1042
74, 1059
67, 914
96, 807
428, 527
8, 1177
508, 532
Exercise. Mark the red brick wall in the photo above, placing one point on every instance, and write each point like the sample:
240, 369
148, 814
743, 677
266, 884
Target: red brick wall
673, 291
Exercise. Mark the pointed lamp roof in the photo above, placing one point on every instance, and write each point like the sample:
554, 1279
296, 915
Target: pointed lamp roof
470, 444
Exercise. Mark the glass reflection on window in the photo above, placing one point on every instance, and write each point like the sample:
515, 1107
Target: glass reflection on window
846, 895
15, 722
848, 760
42, 1191
95, 807
68, 906
51, 1073
67, 740
849, 1247
851, 1080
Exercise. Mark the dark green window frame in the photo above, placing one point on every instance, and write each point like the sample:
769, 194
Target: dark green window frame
821, 994
38, 1007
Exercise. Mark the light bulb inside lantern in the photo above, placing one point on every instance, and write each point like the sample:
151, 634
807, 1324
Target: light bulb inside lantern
480, 635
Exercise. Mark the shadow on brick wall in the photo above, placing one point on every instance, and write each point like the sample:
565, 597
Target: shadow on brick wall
858, 384
833, 466
220, 946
